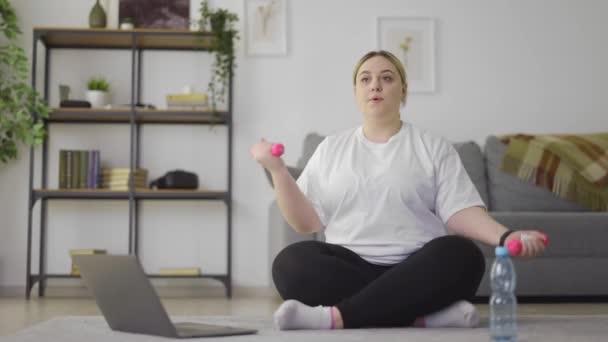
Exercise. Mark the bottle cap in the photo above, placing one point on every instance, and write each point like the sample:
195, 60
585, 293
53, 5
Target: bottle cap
501, 251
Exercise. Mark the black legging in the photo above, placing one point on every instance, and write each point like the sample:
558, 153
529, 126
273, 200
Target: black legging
443, 271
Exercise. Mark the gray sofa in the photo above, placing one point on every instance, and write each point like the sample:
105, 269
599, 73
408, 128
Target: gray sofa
574, 266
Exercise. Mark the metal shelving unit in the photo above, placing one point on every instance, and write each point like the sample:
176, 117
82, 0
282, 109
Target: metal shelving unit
137, 41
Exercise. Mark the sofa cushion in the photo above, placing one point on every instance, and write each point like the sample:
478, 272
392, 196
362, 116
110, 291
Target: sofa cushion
311, 141
472, 160
508, 193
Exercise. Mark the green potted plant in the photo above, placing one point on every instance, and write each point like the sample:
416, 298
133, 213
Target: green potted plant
98, 92
18, 101
221, 23
127, 23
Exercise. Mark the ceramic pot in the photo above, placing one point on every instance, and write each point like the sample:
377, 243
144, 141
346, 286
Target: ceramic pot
97, 17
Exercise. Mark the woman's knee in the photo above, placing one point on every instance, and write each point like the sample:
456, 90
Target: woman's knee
465, 250
293, 255
287, 265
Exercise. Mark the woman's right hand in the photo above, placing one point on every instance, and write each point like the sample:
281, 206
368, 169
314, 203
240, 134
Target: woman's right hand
262, 153
533, 242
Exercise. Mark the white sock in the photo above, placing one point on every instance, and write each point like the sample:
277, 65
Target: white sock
293, 315
461, 314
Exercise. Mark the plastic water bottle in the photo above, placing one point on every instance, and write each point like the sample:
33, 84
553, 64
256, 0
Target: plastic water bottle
503, 303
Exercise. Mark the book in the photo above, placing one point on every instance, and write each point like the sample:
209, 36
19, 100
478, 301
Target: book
79, 169
185, 271
108, 181
122, 185
62, 169
75, 182
68, 169
83, 173
96, 169
122, 176
122, 171
75, 270
87, 251
187, 104
122, 180
187, 101
187, 107
93, 170
187, 98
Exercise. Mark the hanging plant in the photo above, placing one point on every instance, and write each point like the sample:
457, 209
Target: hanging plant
220, 22
17, 99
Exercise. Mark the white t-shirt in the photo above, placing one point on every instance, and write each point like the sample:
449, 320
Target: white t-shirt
384, 201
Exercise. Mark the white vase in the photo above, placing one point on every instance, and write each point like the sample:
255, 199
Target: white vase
98, 98
112, 7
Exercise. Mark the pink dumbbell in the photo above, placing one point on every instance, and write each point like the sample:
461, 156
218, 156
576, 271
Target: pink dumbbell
515, 246
277, 150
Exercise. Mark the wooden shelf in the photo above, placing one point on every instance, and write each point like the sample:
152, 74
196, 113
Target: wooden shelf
138, 194
133, 42
74, 38
82, 115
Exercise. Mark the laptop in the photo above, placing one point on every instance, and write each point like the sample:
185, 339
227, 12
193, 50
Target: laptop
129, 302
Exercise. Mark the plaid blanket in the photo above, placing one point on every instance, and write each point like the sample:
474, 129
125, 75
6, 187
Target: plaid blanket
574, 167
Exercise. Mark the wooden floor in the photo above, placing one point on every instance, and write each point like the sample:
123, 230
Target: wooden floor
18, 313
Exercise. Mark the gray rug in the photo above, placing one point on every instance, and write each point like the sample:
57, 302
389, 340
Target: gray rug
532, 328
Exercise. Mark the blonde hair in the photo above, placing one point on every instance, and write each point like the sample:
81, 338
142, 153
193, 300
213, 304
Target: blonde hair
391, 58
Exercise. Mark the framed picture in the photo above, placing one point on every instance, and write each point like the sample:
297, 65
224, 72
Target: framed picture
266, 27
412, 40
160, 14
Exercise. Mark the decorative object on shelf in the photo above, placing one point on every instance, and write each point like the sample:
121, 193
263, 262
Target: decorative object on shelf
18, 99
97, 16
412, 39
98, 92
221, 22
64, 99
75, 104
64, 92
176, 179
112, 7
187, 100
159, 14
127, 23
266, 23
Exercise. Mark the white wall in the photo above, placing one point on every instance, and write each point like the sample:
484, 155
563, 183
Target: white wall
502, 67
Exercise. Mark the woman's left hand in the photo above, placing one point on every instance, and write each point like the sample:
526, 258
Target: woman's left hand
532, 242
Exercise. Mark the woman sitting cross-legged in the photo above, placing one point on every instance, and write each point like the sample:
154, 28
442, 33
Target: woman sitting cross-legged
399, 213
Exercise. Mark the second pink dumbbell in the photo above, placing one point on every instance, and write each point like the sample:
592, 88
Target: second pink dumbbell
277, 150
515, 246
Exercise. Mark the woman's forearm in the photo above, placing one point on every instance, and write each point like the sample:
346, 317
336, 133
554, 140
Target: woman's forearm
475, 223
295, 207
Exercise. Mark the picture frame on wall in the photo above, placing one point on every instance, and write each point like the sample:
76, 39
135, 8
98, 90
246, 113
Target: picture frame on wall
266, 27
412, 40
156, 14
